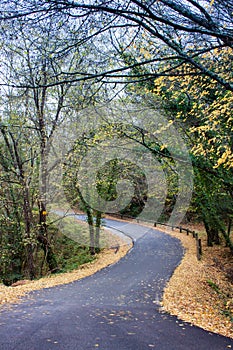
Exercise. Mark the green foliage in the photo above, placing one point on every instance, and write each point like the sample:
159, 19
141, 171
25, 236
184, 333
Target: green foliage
214, 286
112, 173
70, 254
203, 110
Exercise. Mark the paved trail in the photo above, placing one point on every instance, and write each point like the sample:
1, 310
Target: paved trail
115, 309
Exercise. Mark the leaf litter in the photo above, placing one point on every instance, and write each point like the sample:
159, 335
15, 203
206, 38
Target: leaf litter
106, 257
199, 292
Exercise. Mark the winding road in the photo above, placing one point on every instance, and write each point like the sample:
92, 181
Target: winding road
115, 309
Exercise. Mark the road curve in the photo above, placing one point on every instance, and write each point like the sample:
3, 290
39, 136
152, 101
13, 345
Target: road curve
115, 309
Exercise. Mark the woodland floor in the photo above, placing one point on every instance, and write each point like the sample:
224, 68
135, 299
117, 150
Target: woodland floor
199, 292
106, 257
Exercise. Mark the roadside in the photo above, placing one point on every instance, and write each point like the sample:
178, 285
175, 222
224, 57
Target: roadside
201, 292
106, 257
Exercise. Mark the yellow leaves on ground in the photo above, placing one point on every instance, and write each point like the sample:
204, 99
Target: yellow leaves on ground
106, 257
188, 294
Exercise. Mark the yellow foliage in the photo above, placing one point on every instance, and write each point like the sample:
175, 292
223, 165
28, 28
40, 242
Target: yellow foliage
210, 106
211, 2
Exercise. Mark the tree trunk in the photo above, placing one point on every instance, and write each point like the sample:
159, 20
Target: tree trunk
91, 231
90, 222
48, 252
97, 231
212, 234
209, 235
228, 240
229, 227
43, 239
30, 267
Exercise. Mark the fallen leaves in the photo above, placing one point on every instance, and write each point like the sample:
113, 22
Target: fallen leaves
188, 294
105, 258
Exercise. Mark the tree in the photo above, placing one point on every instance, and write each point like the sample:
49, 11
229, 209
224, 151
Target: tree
30, 118
202, 108
177, 33
184, 48
76, 199
18, 198
121, 168
213, 203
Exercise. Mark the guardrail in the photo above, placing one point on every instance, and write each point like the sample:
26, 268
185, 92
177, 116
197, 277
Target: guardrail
180, 228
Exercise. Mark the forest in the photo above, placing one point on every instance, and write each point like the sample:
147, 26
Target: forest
111, 107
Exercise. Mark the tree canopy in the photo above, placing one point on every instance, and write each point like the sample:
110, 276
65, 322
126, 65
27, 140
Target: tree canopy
176, 33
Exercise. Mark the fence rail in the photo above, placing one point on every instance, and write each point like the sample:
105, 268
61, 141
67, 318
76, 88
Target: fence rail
173, 227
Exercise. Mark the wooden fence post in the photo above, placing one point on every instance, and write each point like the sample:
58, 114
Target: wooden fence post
199, 247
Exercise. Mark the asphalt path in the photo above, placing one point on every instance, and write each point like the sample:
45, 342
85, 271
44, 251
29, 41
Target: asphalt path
115, 309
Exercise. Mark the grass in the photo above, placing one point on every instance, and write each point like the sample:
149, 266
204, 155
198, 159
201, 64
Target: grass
70, 254
214, 286
71, 240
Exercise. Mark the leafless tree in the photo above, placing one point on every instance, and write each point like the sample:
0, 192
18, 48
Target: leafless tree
178, 33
